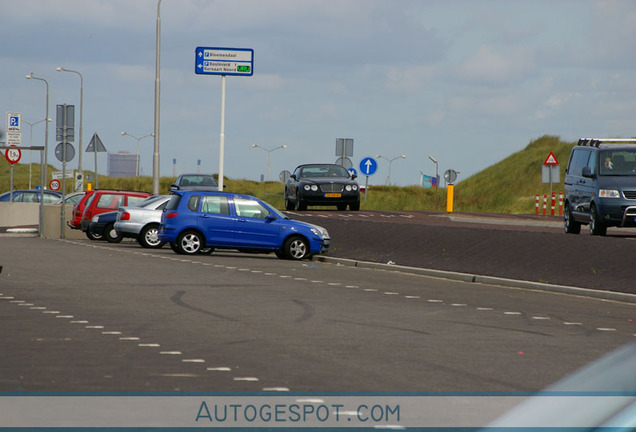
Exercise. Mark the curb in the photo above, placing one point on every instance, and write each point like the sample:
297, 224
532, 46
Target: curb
488, 280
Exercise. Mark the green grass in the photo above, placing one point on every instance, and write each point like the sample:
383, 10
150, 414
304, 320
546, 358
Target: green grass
509, 186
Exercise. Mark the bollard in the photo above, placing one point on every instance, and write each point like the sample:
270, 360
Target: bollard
553, 203
545, 204
449, 198
560, 203
536, 205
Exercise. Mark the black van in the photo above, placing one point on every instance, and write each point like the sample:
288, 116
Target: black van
600, 185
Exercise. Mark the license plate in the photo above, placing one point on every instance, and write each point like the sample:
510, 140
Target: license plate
333, 195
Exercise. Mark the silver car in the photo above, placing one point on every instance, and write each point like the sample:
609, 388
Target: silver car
141, 221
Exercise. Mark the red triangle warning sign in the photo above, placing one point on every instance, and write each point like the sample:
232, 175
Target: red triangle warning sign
551, 160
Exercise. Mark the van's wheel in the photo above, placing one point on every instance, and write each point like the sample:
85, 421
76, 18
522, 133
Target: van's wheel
296, 248
569, 224
190, 242
111, 235
596, 225
149, 237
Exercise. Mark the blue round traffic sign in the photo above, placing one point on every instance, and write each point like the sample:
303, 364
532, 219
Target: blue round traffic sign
368, 166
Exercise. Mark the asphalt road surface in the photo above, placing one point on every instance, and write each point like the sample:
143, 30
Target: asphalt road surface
82, 315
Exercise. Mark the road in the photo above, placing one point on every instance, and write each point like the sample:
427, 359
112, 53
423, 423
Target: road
82, 315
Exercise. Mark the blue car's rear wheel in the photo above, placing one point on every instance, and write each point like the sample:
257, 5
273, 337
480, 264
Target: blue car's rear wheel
190, 243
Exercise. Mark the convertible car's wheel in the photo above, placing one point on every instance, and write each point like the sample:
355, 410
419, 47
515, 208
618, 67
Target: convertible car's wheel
289, 205
111, 235
300, 204
190, 242
93, 236
296, 248
149, 237
355, 206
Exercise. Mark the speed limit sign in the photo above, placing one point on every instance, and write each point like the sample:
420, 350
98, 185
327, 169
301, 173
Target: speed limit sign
13, 155
54, 185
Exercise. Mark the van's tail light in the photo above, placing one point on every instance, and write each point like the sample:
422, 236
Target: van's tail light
170, 215
125, 216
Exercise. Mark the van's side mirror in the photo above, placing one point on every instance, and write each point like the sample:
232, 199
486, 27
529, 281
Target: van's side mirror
587, 172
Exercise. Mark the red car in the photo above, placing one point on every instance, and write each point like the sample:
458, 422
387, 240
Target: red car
101, 201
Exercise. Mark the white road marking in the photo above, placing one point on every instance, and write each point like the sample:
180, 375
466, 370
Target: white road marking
219, 369
245, 379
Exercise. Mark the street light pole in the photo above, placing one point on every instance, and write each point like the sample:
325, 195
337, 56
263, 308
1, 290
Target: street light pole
436, 170
31, 144
269, 151
138, 140
43, 174
155, 154
388, 179
81, 132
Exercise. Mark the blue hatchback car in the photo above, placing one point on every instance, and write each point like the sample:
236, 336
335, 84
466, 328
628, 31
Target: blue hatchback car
199, 221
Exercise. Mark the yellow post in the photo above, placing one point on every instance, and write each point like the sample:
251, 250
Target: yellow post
449, 198
89, 186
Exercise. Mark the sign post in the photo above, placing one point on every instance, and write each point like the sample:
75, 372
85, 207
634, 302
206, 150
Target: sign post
223, 61
550, 172
368, 166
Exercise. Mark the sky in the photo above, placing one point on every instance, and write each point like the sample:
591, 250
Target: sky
468, 82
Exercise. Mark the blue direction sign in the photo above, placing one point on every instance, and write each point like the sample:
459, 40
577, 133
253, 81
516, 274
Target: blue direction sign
224, 61
368, 166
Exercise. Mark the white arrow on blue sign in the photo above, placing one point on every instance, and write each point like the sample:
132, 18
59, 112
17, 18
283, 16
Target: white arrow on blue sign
368, 166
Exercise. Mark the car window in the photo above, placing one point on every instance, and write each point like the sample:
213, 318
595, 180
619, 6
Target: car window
132, 200
250, 208
618, 162
193, 203
579, 160
110, 201
324, 171
198, 180
215, 204
48, 198
173, 203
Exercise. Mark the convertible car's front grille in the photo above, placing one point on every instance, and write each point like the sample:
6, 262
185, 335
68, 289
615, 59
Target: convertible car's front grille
331, 187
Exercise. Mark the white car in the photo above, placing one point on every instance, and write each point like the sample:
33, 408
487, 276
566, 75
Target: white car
141, 221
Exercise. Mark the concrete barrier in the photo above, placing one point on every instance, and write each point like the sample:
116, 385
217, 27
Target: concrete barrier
28, 214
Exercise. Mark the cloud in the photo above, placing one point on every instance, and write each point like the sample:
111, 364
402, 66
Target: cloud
490, 67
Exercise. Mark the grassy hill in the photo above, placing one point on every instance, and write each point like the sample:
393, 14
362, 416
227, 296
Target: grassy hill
508, 186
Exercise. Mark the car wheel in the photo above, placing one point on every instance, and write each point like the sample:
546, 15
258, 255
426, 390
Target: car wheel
111, 235
300, 204
296, 248
149, 237
190, 242
354, 206
596, 225
93, 236
569, 224
289, 205
341, 207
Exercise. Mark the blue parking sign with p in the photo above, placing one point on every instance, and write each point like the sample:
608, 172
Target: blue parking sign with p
14, 121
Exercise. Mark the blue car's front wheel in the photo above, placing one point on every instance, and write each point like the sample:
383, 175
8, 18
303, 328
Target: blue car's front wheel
295, 248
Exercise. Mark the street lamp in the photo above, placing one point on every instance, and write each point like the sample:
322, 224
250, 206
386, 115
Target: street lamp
269, 151
138, 139
31, 143
155, 153
61, 69
388, 179
43, 175
436, 170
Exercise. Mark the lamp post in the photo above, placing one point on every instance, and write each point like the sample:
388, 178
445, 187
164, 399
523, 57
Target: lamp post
138, 140
31, 143
269, 151
436, 170
61, 69
388, 179
43, 175
155, 153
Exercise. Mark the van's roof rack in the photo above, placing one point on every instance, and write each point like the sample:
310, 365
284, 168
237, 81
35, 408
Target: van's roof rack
594, 142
